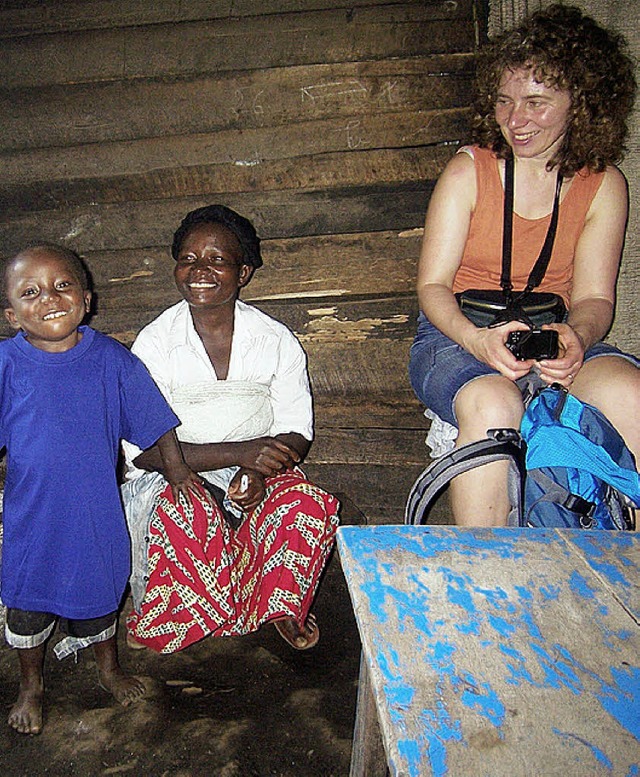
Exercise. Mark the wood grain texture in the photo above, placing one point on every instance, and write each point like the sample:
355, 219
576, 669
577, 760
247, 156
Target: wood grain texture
514, 650
20, 17
380, 491
236, 43
73, 114
377, 167
276, 214
371, 263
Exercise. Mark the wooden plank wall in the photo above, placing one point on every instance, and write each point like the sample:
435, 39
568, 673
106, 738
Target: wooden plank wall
326, 123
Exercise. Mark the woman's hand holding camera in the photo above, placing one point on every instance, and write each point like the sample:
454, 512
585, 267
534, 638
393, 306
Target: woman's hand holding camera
489, 345
564, 369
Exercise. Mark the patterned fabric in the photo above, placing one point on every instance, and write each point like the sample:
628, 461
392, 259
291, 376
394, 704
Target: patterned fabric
206, 579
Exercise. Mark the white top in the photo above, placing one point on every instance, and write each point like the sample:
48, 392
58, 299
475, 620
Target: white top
263, 351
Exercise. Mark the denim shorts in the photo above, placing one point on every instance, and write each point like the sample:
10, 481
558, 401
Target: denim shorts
439, 368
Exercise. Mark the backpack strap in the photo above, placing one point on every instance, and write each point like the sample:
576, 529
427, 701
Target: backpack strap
557, 493
500, 445
620, 514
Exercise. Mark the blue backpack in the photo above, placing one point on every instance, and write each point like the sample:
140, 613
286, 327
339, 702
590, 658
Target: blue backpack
569, 468
580, 473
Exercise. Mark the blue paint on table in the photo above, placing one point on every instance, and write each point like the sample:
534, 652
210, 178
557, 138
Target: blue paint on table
494, 647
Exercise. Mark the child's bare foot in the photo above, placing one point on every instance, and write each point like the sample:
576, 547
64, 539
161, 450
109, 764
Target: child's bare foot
125, 688
26, 713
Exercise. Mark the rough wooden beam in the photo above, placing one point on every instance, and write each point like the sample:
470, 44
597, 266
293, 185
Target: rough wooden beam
370, 446
74, 15
327, 266
380, 491
287, 213
167, 50
330, 172
77, 114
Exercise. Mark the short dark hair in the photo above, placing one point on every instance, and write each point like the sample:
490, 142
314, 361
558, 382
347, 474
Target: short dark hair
74, 260
241, 227
570, 51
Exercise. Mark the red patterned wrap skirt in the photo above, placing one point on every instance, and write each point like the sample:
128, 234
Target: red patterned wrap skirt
205, 578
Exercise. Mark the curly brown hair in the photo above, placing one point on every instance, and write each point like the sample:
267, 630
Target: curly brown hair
570, 51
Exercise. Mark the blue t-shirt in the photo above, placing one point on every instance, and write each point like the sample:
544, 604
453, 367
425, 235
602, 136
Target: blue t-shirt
62, 416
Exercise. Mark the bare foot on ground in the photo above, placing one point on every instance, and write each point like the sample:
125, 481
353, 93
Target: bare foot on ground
26, 713
300, 638
124, 688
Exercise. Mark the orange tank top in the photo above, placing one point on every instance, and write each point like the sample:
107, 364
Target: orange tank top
481, 263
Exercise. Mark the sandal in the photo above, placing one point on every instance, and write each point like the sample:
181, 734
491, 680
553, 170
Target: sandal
299, 638
133, 643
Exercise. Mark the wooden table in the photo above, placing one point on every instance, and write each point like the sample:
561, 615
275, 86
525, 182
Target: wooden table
498, 652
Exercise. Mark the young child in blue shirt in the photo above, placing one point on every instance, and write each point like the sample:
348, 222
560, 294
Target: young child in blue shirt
68, 396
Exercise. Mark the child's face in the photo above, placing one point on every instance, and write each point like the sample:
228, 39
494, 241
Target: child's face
46, 299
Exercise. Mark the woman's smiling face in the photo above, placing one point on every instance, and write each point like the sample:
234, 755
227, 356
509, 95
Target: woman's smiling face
209, 268
532, 117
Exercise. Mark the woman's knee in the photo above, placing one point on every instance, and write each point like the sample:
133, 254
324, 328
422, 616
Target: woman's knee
609, 382
612, 385
490, 402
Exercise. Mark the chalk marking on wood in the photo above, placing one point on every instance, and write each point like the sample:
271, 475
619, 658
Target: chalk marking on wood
80, 225
316, 92
255, 107
352, 140
386, 93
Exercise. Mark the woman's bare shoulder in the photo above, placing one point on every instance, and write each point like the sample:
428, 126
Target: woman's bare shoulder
458, 181
613, 193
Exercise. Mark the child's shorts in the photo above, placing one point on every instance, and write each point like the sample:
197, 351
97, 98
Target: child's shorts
439, 368
27, 629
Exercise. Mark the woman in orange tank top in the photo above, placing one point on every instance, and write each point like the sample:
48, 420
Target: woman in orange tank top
538, 108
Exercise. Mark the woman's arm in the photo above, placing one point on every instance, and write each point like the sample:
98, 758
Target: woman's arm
266, 455
596, 265
597, 260
247, 487
445, 235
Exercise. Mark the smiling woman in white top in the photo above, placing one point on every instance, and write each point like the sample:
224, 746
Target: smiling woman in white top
252, 545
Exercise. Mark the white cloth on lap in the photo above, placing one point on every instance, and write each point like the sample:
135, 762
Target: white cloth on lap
222, 411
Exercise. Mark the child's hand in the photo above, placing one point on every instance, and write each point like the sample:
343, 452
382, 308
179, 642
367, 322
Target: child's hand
182, 481
175, 469
246, 489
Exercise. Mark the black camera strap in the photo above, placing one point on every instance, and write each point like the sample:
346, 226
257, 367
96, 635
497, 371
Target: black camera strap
542, 262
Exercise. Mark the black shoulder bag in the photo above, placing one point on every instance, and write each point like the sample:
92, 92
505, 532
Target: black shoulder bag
492, 307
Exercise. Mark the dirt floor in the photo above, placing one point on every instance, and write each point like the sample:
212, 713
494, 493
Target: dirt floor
229, 707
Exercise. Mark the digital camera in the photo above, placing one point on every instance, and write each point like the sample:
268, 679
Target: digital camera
533, 344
